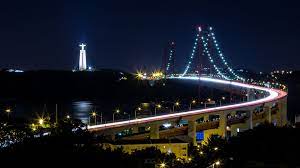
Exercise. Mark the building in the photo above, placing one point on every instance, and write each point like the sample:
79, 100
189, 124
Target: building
178, 147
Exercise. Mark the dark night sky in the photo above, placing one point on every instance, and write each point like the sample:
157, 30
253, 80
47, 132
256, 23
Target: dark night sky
256, 34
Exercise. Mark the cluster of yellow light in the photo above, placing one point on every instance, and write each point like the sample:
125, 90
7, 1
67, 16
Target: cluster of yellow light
139, 75
162, 165
157, 74
41, 121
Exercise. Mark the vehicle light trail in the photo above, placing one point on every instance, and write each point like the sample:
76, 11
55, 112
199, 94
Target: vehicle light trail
274, 94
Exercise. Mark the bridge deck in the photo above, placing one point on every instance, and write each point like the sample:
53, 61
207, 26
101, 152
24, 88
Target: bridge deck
274, 95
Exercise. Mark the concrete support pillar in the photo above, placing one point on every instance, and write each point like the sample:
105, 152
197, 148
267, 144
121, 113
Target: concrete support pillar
269, 115
248, 95
250, 120
154, 131
251, 95
223, 124
282, 112
192, 131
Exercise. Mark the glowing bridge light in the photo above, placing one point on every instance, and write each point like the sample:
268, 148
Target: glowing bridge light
199, 29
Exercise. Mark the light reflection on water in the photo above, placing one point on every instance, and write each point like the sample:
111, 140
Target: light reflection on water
82, 109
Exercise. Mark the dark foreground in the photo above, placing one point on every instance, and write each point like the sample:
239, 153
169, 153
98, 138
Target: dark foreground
264, 146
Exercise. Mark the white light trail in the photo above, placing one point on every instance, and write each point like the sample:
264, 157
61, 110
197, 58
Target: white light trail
274, 95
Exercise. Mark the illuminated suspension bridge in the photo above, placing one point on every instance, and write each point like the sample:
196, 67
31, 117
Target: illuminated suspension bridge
206, 58
214, 70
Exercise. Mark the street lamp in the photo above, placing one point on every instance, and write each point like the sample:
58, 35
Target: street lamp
193, 102
223, 98
208, 100
217, 163
117, 111
158, 106
8, 111
139, 109
128, 115
162, 165
41, 121
101, 118
175, 104
94, 114
68, 116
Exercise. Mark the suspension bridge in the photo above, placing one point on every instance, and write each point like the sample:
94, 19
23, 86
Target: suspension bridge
207, 64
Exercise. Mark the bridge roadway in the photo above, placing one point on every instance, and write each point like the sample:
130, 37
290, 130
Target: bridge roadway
274, 95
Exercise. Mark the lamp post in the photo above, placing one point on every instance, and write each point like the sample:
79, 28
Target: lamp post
193, 102
222, 99
41, 121
175, 104
217, 163
162, 165
128, 115
8, 111
158, 106
139, 109
94, 114
117, 111
208, 100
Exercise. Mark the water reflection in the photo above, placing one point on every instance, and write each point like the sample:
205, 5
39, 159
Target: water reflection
82, 109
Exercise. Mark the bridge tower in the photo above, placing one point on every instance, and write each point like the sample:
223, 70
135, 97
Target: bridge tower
207, 46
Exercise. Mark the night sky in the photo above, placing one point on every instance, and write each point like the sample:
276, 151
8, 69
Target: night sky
259, 35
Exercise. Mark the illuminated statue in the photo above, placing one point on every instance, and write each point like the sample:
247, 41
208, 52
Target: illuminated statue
82, 58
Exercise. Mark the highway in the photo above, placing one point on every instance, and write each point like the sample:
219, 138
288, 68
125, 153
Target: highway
274, 94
